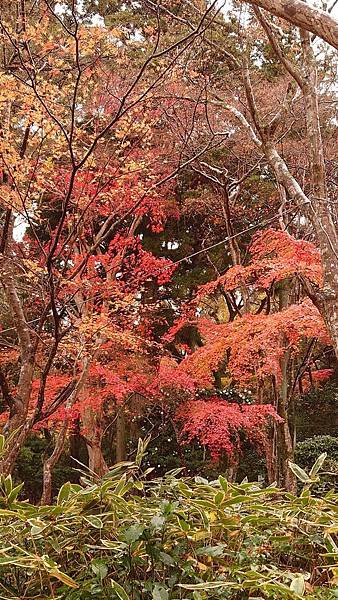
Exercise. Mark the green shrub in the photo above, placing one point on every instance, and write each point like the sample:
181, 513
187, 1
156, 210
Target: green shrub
169, 538
307, 452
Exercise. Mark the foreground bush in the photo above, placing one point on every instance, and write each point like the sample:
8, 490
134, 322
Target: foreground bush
169, 538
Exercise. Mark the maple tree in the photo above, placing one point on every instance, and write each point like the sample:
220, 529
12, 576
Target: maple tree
80, 149
253, 349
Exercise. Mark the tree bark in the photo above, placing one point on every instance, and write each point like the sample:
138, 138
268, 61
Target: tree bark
315, 206
17, 422
96, 461
285, 449
121, 451
301, 14
49, 464
91, 421
320, 216
52, 460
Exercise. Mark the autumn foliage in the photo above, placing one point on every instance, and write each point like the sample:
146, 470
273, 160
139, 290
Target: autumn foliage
155, 249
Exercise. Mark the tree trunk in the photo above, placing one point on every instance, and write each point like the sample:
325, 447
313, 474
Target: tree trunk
285, 449
17, 423
92, 424
231, 472
49, 464
96, 461
320, 215
286, 478
316, 206
52, 460
303, 15
121, 452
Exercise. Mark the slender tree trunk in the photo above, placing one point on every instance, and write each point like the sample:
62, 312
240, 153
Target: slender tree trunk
285, 449
270, 457
231, 472
121, 452
92, 424
286, 478
316, 206
53, 459
49, 464
318, 212
321, 215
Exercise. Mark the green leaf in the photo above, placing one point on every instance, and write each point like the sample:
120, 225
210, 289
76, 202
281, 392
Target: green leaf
20, 561
37, 526
14, 493
318, 464
64, 578
183, 525
299, 472
213, 551
94, 521
166, 558
8, 484
118, 589
48, 562
206, 585
141, 449
298, 585
219, 498
64, 492
236, 500
224, 483
160, 593
331, 544
99, 568
134, 533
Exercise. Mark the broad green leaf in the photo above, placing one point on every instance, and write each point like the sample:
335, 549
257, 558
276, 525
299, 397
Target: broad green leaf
8, 484
300, 473
160, 593
99, 567
14, 493
134, 533
94, 521
118, 589
298, 585
183, 525
318, 464
211, 550
223, 483
64, 492
219, 498
166, 558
